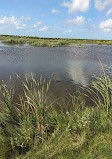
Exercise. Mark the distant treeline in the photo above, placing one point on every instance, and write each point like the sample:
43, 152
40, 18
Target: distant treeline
31, 37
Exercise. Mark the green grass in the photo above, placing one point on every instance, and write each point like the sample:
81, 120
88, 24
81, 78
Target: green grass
50, 42
35, 129
14, 41
33, 41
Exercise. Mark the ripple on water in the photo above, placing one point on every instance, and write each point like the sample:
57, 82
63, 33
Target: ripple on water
65, 66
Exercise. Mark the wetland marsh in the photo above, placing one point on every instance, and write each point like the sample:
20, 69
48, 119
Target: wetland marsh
42, 119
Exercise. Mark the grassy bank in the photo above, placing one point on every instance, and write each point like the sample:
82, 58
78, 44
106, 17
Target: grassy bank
50, 42
35, 129
34, 41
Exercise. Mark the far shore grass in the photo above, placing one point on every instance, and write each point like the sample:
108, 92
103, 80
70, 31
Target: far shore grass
50, 42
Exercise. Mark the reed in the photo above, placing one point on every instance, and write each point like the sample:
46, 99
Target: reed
101, 89
62, 43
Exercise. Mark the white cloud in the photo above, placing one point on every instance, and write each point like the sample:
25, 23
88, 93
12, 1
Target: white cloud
3, 20
89, 20
91, 31
42, 15
68, 31
55, 11
22, 18
77, 5
106, 26
109, 11
43, 29
83, 5
102, 4
17, 22
37, 24
21, 27
78, 21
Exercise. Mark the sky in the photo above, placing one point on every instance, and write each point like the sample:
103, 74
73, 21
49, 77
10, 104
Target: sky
78, 19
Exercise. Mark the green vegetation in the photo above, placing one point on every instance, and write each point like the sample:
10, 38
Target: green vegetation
80, 45
62, 43
50, 42
33, 41
14, 41
35, 129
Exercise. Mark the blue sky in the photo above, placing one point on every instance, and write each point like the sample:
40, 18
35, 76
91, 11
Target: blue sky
88, 19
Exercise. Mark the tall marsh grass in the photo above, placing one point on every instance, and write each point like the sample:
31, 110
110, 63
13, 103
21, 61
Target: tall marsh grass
101, 89
14, 41
35, 129
33, 41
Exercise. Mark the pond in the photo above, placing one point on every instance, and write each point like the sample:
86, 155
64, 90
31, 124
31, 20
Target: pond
67, 67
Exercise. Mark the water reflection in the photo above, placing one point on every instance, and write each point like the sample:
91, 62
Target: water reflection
65, 66
81, 71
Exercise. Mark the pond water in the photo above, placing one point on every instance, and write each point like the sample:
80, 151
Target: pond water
67, 67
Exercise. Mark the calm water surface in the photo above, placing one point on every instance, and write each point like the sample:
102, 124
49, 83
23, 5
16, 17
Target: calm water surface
67, 67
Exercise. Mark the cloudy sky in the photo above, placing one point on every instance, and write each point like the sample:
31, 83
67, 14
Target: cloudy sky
90, 19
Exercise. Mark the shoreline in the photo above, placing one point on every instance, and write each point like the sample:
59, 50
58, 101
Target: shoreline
50, 42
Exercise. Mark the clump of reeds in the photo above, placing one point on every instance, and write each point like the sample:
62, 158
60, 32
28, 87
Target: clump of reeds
10, 41
38, 43
62, 43
14, 41
101, 89
23, 125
